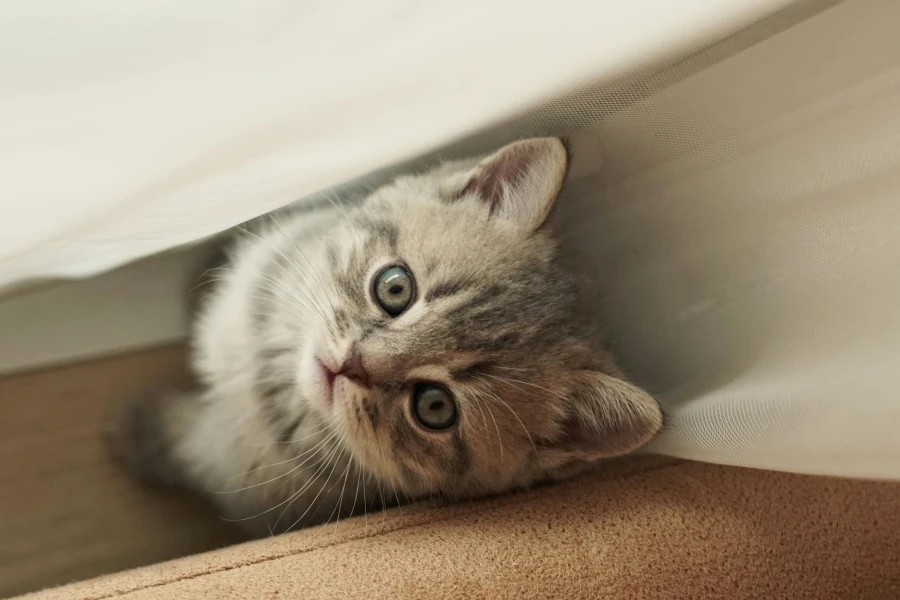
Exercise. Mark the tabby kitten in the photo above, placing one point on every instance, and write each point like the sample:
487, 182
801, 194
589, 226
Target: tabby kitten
430, 341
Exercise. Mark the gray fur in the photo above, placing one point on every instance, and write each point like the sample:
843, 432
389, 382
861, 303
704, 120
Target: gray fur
499, 318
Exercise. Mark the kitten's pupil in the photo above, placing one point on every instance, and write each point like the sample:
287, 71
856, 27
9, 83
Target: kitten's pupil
436, 405
396, 289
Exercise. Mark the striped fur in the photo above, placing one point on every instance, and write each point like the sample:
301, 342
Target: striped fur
499, 318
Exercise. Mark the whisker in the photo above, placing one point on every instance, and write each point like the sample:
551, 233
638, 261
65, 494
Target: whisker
311, 269
512, 382
296, 303
311, 504
396, 496
293, 496
365, 514
497, 428
333, 510
348, 222
322, 465
306, 283
272, 465
481, 410
292, 306
292, 312
294, 297
272, 315
390, 479
356, 493
317, 432
341, 501
206, 281
383, 505
525, 429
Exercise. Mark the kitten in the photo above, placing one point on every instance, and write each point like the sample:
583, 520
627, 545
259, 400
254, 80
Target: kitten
431, 341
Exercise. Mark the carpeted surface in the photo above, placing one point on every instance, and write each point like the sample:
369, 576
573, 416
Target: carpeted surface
642, 528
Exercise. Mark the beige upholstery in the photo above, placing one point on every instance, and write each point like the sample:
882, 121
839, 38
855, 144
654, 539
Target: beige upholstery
642, 528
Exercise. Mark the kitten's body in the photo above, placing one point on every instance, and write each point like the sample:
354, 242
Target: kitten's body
308, 409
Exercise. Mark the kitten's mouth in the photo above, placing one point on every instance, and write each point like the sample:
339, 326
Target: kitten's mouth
327, 376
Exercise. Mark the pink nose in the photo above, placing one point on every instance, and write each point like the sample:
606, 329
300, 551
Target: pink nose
353, 368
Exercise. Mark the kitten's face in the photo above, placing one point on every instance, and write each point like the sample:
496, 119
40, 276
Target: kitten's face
457, 357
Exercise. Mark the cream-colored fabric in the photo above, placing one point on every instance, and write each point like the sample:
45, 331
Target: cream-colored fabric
750, 246
640, 531
744, 221
126, 132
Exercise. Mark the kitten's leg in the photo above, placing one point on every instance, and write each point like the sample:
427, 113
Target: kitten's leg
147, 436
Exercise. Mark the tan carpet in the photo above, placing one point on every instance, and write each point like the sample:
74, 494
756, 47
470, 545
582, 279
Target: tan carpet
644, 530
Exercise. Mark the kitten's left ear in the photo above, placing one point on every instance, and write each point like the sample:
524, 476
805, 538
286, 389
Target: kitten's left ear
522, 180
606, 417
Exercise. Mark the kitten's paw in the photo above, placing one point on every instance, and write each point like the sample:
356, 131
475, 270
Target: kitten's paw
139, 441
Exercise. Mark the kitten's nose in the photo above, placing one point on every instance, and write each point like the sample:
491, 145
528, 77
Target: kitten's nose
353, 368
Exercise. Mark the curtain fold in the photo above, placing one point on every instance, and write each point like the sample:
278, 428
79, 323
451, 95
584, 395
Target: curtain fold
738, 190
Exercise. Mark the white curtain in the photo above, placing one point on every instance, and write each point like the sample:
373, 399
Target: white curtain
738, 192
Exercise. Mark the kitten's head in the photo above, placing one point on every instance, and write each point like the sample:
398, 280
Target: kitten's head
460, 355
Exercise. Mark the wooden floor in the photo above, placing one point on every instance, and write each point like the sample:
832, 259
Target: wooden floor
66, 512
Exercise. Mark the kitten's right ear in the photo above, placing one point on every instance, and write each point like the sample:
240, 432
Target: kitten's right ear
521, 181
606, 417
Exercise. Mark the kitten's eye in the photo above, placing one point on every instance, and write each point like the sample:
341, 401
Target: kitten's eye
393, 290
433, 406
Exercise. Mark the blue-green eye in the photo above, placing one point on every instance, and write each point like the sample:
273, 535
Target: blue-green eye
433, 406
393, 290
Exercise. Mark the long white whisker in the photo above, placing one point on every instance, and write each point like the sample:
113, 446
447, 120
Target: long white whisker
302, 274
481, 410
272, 465
311, 269
322, 465
310, 294
383, 504
365, 514
297, 295
315, 433
341, 500
272, 315
268, 466
348, 222
525, 429
290, 303
311, 504
512, 382
497, 428
307, 305
396, 496
356, 493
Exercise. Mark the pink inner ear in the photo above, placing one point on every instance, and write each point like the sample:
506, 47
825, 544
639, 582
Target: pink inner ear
493, 177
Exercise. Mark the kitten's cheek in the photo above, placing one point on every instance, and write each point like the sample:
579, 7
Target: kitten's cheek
317, 386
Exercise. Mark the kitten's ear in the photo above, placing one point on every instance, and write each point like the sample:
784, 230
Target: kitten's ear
606, 417
522, 180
